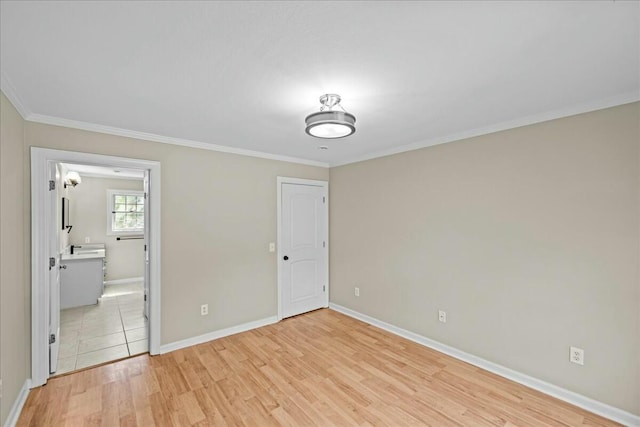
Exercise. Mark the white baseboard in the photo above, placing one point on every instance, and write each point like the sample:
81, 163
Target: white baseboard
576, 399
124, 281
16, 409
166, 348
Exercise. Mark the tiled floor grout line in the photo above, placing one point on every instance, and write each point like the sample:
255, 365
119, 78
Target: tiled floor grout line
88, 317
124, 331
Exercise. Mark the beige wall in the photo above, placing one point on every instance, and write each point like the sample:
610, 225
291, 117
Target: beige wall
88, 205
15, 344
528, 238
218, 217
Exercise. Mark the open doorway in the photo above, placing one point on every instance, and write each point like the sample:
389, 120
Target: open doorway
101, 242
86, 311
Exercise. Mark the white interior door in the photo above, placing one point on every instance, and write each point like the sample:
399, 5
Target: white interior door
303, 250
146, 244
55, 218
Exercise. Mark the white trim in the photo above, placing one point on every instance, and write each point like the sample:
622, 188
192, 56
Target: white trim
16, 408
287, 180
279, 244
625, 98
221, 333
576, 399
621, 99
12, 95
124, 281
155, 259
56, 121
40, 158
39, 273
105, 176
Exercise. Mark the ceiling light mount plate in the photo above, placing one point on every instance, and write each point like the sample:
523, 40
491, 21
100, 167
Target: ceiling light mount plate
329, 100
329, 123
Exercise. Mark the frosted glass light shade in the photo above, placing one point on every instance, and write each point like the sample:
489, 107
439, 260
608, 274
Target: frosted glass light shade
330, 124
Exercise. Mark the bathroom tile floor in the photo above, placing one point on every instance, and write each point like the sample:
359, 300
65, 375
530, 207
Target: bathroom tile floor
112, 329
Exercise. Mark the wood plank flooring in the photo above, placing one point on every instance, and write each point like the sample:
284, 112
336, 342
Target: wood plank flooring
321, 368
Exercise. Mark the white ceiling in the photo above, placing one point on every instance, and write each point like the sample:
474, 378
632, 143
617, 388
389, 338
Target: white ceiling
104, 172
245, 74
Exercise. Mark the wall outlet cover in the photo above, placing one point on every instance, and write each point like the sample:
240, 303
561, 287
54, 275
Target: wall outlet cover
576, 355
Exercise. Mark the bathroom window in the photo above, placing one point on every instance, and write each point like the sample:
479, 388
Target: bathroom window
125, 212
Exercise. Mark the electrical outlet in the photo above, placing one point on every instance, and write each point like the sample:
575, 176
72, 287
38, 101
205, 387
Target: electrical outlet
272, 247
87, 239
576, 355
442, 316
356, 291
204, 309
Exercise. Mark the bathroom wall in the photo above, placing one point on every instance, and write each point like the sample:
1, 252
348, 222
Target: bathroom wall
125, 258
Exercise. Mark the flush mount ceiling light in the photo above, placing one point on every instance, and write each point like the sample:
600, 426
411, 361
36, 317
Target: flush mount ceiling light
329, 123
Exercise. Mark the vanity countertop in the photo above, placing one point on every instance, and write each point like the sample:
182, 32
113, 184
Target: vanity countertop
98, 253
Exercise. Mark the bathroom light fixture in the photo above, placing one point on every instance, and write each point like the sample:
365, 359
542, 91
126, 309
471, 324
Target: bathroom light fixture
329, 123
72, 179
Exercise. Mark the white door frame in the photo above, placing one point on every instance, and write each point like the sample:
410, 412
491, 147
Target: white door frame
286, 180
40, 201
54, 272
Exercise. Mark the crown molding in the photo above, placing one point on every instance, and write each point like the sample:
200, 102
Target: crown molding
12, 96
110, 130
625, 98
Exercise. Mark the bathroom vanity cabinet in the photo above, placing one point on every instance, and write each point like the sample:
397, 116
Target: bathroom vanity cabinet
81, 279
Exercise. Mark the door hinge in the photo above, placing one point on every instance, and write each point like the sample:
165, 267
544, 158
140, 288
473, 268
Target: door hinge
145, 297
52, 185
52, 263
145, 248
324, 288
145, 196
52, 338
324, 199
324, 244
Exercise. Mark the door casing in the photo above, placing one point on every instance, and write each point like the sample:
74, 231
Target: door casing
54, 272
299, 181
40, 209
147, 275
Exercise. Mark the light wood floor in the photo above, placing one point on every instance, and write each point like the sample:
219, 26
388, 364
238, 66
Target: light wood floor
321, 368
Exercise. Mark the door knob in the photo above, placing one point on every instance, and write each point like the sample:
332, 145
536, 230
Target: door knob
285, 258
63, 266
